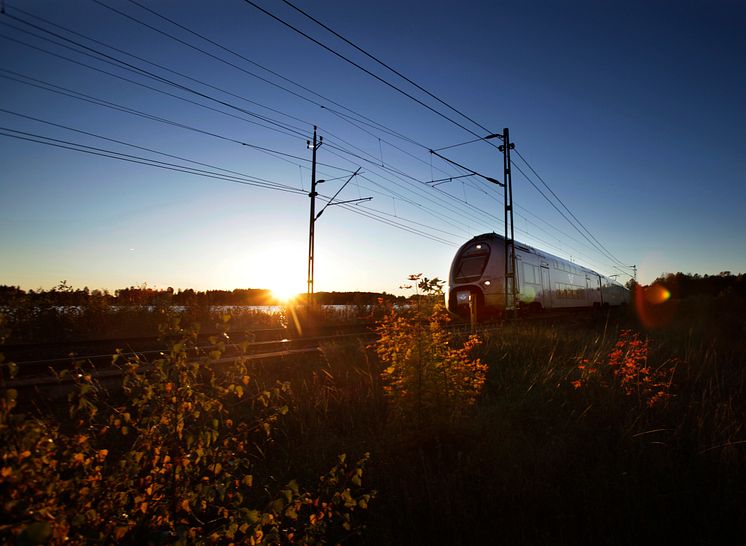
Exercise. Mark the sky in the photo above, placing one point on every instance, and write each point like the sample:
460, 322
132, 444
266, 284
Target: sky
629, 115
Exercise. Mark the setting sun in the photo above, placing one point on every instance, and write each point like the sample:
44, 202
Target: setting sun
284, 294
281, 268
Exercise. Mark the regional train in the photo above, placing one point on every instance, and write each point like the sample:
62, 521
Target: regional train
476, 283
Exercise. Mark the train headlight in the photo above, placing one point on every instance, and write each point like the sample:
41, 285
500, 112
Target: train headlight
486, 283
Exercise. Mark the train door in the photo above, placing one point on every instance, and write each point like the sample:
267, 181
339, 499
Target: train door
546, 291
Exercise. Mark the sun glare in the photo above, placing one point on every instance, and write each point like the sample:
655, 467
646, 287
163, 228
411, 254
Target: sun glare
283, 271
284, 294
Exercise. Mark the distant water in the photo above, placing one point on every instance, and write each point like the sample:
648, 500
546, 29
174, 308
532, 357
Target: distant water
267, 309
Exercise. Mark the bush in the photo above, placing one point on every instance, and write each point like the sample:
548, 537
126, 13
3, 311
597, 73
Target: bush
429, 377
179, 456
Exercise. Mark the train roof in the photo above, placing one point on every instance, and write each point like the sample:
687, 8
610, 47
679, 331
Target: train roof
528, 248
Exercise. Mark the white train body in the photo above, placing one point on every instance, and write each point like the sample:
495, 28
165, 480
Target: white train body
543, 281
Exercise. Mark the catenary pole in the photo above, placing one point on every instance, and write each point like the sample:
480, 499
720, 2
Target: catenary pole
510, 276
312, 221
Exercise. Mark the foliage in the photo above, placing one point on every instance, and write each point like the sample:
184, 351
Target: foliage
64, 313
632, 371
686, 285
427, 376
179, 456
65, 295
536, 461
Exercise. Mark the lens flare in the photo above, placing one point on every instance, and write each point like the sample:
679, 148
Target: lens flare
657, 294
654, 305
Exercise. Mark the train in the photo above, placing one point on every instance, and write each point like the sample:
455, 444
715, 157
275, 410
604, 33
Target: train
476, 282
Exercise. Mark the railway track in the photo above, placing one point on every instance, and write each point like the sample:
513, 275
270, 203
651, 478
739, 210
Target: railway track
37, 365
96, 357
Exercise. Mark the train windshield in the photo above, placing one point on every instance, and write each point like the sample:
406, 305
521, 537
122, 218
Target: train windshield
472, 262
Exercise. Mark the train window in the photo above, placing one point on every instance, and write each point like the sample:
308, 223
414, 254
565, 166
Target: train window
472, 262
476, 249
471, 267
529, 274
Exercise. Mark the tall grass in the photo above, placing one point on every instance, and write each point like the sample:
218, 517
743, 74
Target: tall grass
594, 430
551, 453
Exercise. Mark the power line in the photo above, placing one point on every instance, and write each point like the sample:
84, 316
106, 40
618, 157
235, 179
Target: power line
397, 225
119, 50
475, 173
444, 218
373, 123
294, 134
375, 165
439, 202
398, 172
190, 101
112, 154
107, 104
80, 131
101, 102
407, 185
194, 47
296, 130
599, 249
567, 209
459, 144
147, 73
360, 67
379, 61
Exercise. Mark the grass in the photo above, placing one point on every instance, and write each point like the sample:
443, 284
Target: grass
560, 448
541, 460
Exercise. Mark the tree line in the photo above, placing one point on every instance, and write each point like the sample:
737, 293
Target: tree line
65, 295
688, 285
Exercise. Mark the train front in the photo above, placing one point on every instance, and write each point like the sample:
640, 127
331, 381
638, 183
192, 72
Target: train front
476, 282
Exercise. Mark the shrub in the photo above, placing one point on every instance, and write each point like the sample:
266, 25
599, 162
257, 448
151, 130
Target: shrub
178, 456
428, 376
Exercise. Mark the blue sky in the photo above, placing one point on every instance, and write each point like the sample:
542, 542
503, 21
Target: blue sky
632, 113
